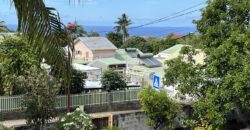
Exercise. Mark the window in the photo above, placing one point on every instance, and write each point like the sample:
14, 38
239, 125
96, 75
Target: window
78, 52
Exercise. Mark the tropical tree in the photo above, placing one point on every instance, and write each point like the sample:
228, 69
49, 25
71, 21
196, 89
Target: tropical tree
112, 80
139, 43
39, 100
93, 34
3, 27
42, 27
122, 25
115, 38
159, 107
17, 57
76, 30
77, 82
221, 83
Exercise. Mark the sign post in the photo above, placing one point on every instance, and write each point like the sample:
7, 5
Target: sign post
156, 82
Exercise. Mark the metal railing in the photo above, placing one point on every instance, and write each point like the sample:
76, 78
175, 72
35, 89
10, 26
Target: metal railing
14, 103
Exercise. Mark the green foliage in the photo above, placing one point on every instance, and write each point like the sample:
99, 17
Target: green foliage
221, 83
17, 59
122, 25
160, 109
194, 40
93, 34
137, 42
3, 27
77, 120
115, 38
39, 100
3, 127
42, 26
77, 82
76, 30
112, 80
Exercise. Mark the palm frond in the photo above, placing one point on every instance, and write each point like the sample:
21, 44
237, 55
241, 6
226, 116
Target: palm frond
43, 28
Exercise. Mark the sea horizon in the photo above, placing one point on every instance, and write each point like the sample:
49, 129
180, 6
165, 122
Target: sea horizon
143, 31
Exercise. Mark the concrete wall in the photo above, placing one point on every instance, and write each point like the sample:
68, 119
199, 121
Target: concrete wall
134, 105
84, 52
98, 54
131, 121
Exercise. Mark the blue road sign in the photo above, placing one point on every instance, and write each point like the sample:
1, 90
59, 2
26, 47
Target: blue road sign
156, 82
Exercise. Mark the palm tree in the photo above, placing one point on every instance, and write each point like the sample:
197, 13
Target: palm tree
42, 27
122, 25
3, 28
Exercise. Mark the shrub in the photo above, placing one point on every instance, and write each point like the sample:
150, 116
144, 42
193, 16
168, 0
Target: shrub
77, 120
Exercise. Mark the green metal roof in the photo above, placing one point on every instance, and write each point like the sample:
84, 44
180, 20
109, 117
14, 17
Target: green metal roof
110, 61
78, 61
174, 49
122, 55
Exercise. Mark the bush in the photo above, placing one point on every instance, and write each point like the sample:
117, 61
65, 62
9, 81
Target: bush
3, 127
39, 99
77, 120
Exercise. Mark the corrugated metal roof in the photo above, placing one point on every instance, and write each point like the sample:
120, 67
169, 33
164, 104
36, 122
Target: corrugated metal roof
122, 55
173, 49
97, 43
109, 61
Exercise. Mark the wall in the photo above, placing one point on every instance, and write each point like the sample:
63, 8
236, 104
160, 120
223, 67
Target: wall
79, 46
97, 54
131, 121
132, 105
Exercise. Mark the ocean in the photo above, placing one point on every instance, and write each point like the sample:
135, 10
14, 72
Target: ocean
143, 31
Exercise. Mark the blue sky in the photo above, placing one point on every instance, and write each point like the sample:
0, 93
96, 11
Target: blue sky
105, 12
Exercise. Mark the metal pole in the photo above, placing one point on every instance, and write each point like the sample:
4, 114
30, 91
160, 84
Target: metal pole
69, 72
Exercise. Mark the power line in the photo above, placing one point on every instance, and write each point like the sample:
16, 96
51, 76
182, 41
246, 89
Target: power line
167, 17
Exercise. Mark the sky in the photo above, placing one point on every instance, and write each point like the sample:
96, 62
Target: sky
106, 12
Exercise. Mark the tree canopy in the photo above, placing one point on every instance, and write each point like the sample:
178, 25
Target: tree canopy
38, 102
139, 43
122, 25
160, 109
3, 27
221, 84
16, 58
112, 80
115, 38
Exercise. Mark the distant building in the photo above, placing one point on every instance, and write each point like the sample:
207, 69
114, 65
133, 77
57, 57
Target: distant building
174, 52
176, 36
91, 48
110, 63
170, 53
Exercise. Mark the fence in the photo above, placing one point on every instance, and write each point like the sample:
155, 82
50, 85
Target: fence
13, 103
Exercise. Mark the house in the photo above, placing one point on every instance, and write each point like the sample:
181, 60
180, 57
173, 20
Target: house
110, 63
91, 48
174, 52
176, 36
170, 53
134, 56
92, 72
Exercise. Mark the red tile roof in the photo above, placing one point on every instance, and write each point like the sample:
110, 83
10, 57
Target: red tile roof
176, 36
